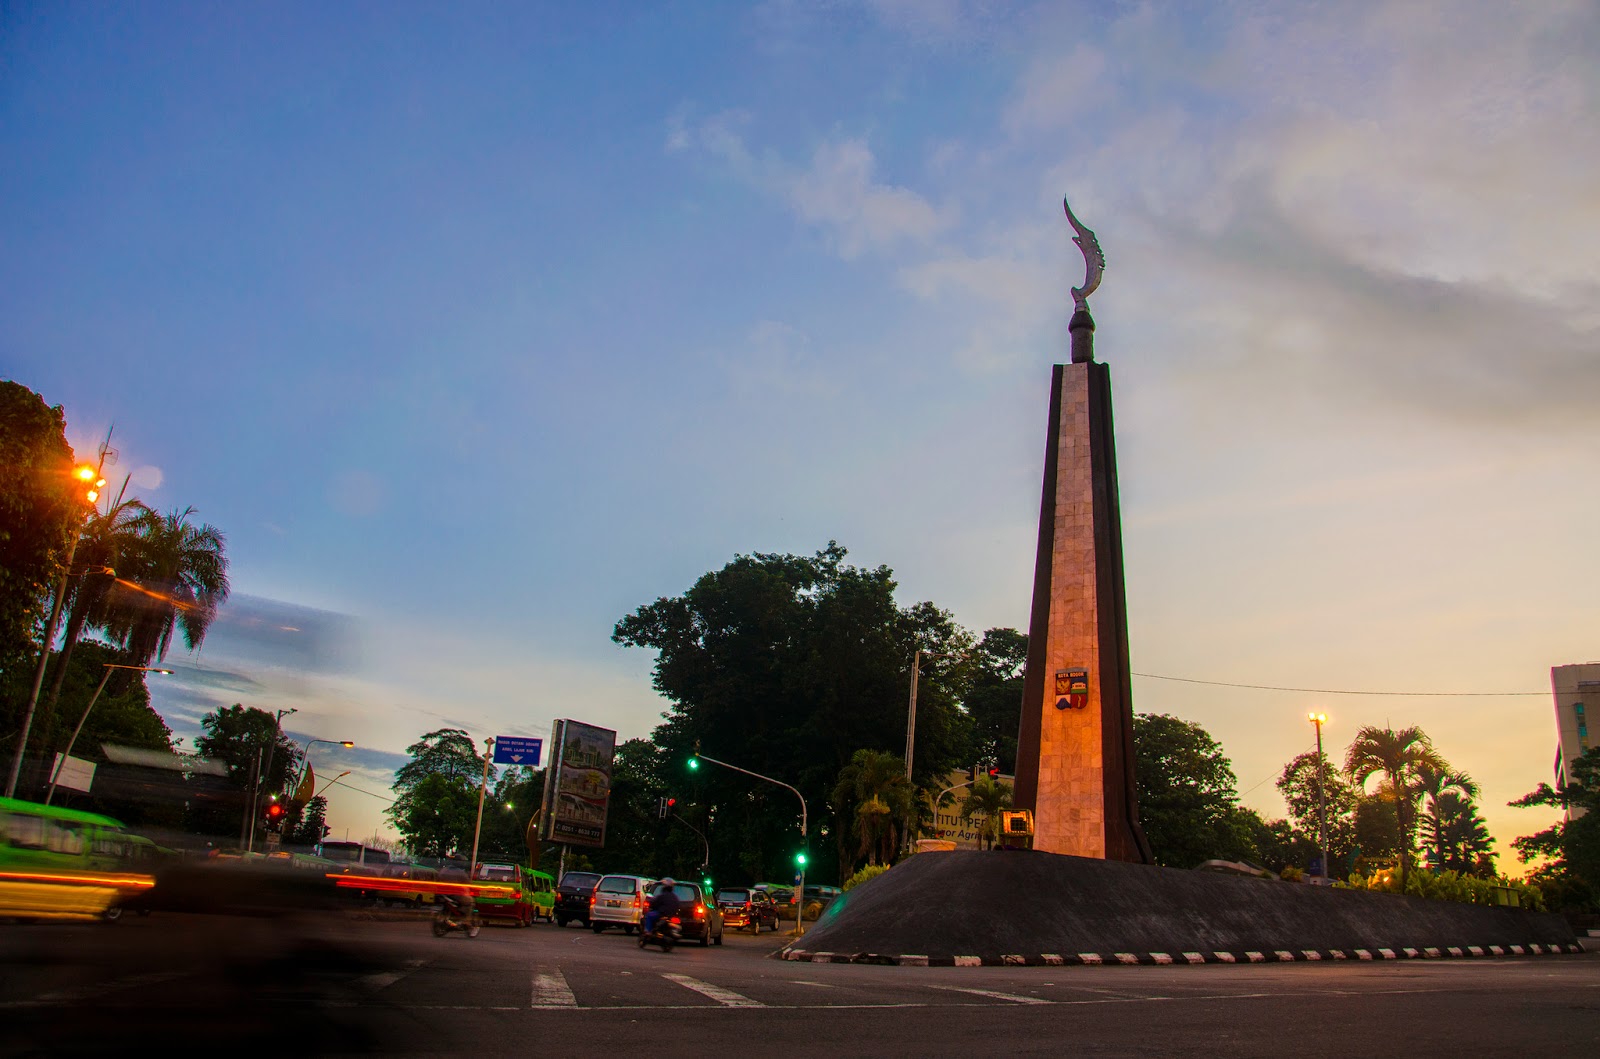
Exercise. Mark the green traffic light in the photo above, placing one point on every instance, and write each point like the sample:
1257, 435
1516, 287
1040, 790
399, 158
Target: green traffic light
694, 763
800, 859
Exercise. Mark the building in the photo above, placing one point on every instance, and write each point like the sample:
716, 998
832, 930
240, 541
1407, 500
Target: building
1577, 693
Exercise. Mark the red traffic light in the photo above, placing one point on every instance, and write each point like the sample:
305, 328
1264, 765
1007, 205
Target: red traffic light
274, 811
671, 802
994, 774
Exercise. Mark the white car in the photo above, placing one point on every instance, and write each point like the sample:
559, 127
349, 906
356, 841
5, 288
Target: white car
619, 901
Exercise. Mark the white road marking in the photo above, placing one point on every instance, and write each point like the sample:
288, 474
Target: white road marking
725, 997
992, 994
819, 985
550, 990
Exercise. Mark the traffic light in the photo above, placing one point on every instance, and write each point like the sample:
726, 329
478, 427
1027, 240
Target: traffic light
706, 883
665, 807
274, 814
994, 774
694, 758
800, 859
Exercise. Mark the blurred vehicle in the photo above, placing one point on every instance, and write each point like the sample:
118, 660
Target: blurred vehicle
64, 863
456, 912
421, 875
572, 897
817, 900
667, 932
697, 918
746, 908
353, 858
618, 901
510, 899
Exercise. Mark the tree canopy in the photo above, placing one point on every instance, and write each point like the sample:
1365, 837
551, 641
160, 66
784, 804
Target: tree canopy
1571, 879
1187, 801
791, 664
40, 508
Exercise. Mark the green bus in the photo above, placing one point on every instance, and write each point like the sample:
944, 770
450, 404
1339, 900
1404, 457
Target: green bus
66, 863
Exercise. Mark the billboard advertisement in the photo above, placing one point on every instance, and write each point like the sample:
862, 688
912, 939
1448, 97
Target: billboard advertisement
578, 783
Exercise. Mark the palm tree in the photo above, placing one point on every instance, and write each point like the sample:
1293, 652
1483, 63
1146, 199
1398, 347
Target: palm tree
1457, 836
875, 781
108, 542
987, 799
1433, 785
179, 578
1398, 757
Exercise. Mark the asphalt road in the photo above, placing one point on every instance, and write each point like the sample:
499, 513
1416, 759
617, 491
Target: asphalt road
338, 985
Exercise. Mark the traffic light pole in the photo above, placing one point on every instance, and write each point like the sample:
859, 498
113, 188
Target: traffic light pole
800, 891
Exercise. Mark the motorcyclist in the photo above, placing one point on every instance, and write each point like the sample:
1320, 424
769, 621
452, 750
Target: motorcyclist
663, 905
457, 906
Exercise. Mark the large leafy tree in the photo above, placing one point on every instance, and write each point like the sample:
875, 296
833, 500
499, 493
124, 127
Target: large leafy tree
258, 756
40, 509
787, 665
1298, 784
1187, 801
878, 801
1398, 757
436, 803
994, 697
1571, 879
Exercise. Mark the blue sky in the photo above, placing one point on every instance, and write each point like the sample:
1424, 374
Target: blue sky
476, 326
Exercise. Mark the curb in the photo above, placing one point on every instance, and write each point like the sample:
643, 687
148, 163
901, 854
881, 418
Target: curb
1050, 959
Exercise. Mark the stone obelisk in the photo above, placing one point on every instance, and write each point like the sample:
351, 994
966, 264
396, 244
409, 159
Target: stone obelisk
1075, 768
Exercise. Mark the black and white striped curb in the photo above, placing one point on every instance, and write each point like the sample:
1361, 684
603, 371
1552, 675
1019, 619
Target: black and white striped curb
1051, 959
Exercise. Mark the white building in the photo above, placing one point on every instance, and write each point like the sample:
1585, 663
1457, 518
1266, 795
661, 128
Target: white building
1577, 693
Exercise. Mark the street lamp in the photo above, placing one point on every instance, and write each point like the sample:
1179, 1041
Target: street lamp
89, 478
55, 777
305, 762
800, 858
1319, 719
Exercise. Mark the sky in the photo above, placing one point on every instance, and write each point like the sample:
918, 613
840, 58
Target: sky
475, 327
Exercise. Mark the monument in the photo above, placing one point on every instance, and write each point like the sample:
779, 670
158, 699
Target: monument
1075, 769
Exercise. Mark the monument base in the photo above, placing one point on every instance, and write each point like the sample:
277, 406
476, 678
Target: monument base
1044, 908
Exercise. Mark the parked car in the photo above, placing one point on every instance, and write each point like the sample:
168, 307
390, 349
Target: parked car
618, 901
512, 897
698, 918
572, 897
745, 908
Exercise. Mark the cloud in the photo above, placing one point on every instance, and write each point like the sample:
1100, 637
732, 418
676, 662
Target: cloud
837, 192
1057, 89
147, 477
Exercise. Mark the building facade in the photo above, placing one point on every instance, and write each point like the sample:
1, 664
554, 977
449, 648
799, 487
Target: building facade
1577, 695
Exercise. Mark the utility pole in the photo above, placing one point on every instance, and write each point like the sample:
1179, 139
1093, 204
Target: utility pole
483, 788
1319, 719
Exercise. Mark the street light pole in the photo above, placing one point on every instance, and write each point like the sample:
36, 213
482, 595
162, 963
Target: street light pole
911, 707
800, 893
55, 777
91, 478
305, 762
1319, 719
483, 788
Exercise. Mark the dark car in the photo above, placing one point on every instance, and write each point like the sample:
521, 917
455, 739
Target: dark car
572, 897
696, 918
744, 908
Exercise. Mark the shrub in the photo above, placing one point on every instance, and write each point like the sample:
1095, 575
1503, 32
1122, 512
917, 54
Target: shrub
871, 871
1448, 886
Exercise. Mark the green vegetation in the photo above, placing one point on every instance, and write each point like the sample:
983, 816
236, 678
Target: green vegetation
1570, 879
863, 874
987, 799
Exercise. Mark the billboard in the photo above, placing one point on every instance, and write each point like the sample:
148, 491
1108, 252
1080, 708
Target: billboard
577, 785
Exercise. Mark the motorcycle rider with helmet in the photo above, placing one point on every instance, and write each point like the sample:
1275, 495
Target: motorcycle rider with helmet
664, 905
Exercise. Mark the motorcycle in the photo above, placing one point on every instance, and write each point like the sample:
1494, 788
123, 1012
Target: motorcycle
666, 933
454, 916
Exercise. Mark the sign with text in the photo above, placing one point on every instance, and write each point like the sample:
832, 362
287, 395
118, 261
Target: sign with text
517, 750
578, 783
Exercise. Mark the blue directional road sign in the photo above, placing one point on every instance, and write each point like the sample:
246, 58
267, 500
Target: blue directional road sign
517, 750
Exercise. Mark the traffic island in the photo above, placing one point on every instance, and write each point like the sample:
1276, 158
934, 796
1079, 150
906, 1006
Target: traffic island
969, 909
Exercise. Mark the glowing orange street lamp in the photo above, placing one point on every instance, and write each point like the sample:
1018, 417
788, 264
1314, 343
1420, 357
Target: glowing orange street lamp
90, 477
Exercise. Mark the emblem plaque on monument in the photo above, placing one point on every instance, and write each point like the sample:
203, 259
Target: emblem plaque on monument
1075, 746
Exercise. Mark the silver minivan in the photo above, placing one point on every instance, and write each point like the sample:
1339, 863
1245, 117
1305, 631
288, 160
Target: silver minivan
620, 901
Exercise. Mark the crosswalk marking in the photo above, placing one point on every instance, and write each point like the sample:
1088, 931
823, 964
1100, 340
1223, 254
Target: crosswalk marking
550, 990
992, 994
725, 997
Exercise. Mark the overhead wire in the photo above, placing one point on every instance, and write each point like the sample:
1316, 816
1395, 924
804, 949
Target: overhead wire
1344, 691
